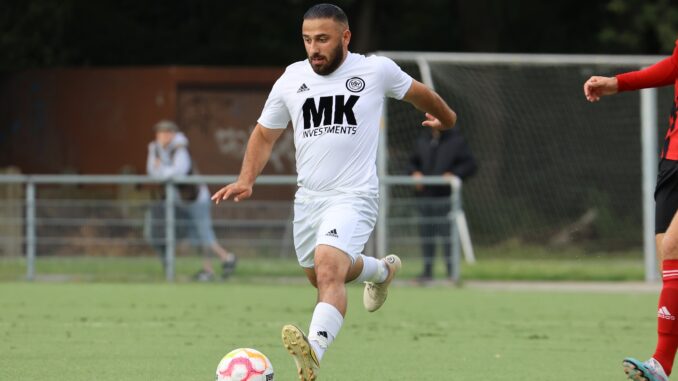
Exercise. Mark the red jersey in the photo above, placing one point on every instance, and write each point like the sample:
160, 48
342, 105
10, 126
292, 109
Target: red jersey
663, 73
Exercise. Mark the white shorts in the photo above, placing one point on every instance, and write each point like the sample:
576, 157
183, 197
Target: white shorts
340, 220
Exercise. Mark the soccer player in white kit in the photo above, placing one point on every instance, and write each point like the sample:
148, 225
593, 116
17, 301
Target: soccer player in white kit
334, 101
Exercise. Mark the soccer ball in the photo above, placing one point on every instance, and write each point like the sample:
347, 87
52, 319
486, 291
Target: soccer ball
245, 364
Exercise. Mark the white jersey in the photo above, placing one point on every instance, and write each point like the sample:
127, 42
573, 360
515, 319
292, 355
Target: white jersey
336, 120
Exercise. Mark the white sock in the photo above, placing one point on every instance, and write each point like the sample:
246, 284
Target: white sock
325, 326
374, 270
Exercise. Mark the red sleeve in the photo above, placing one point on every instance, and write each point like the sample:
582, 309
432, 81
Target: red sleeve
663, 73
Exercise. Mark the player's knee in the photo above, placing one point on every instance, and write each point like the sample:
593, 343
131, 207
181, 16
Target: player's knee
669, 247
331, 266
328, 275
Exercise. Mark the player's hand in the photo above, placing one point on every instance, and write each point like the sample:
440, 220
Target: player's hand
433, 122
417, 175
239, 191
597, 86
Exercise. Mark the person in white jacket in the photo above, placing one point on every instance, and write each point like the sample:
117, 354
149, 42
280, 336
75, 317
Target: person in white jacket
168, 156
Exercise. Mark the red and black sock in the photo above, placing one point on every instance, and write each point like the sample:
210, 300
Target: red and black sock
667, 327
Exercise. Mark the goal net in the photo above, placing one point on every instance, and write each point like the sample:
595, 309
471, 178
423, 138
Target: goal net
555, 171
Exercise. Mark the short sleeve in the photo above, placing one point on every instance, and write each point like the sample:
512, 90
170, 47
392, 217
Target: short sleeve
396, 81
275, 114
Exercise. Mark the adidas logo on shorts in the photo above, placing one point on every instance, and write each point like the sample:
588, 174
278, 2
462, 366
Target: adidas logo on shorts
332, 233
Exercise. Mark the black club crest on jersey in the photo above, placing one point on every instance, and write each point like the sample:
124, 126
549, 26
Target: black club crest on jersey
355, 84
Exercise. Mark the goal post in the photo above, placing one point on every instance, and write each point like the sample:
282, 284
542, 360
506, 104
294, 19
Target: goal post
547, 158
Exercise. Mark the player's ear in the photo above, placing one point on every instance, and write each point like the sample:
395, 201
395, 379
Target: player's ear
346, 36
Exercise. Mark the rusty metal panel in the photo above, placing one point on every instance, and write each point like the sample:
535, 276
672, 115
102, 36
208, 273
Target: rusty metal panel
218, 122
99, 121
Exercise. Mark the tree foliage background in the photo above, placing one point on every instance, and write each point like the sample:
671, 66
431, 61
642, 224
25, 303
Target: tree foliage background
48, 33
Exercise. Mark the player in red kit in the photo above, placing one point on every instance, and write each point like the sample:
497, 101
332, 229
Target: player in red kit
663, 73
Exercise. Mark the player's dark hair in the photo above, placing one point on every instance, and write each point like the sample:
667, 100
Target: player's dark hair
326, 11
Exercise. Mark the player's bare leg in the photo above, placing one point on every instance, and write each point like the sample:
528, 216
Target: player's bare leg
668, 242
658, 239
332, 267
331, 270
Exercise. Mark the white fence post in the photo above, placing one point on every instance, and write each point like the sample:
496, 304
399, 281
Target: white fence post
170, 223
30, 230
648, 109
455, 210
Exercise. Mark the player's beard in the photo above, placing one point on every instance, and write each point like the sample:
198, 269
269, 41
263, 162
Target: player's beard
332, 63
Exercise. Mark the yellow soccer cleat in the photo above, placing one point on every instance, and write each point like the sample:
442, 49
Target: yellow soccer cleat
298, 346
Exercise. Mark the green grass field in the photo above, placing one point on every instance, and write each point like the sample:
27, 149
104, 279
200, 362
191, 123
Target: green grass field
159, 331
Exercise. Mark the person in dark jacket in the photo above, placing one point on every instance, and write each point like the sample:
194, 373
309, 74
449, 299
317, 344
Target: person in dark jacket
438, 153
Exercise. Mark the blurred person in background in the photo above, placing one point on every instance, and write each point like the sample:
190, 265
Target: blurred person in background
334, 100
438, 153
662, 73
168, 156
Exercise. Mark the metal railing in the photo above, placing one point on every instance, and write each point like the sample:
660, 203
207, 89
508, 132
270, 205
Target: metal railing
30, 182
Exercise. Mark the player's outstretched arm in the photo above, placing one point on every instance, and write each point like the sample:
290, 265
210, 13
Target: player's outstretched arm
662, 73
257, 154
597, 86
438, 114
